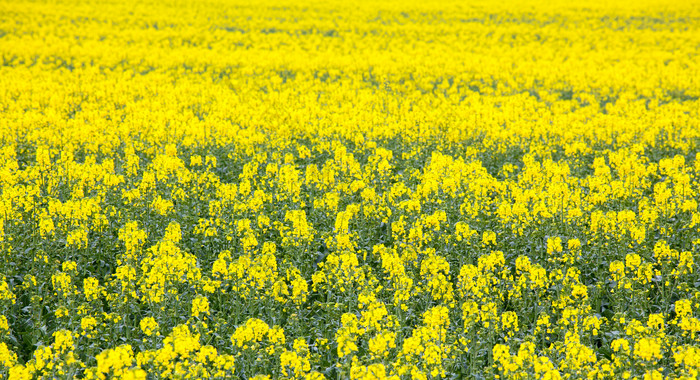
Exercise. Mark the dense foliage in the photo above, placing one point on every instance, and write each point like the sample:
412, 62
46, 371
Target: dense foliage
349, 189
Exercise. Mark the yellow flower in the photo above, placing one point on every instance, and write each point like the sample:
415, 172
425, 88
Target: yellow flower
88, 324
149, 326
8, 359
488, 237
92, 289
648, 349
200, 305
509, 322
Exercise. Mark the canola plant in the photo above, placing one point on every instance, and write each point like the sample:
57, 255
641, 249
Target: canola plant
349, 189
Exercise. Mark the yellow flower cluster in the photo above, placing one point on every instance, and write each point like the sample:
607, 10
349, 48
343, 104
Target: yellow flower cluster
364, 190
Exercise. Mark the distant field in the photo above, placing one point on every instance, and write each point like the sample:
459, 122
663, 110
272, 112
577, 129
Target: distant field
349, 189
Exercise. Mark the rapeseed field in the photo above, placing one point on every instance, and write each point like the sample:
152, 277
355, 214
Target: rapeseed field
226, 189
